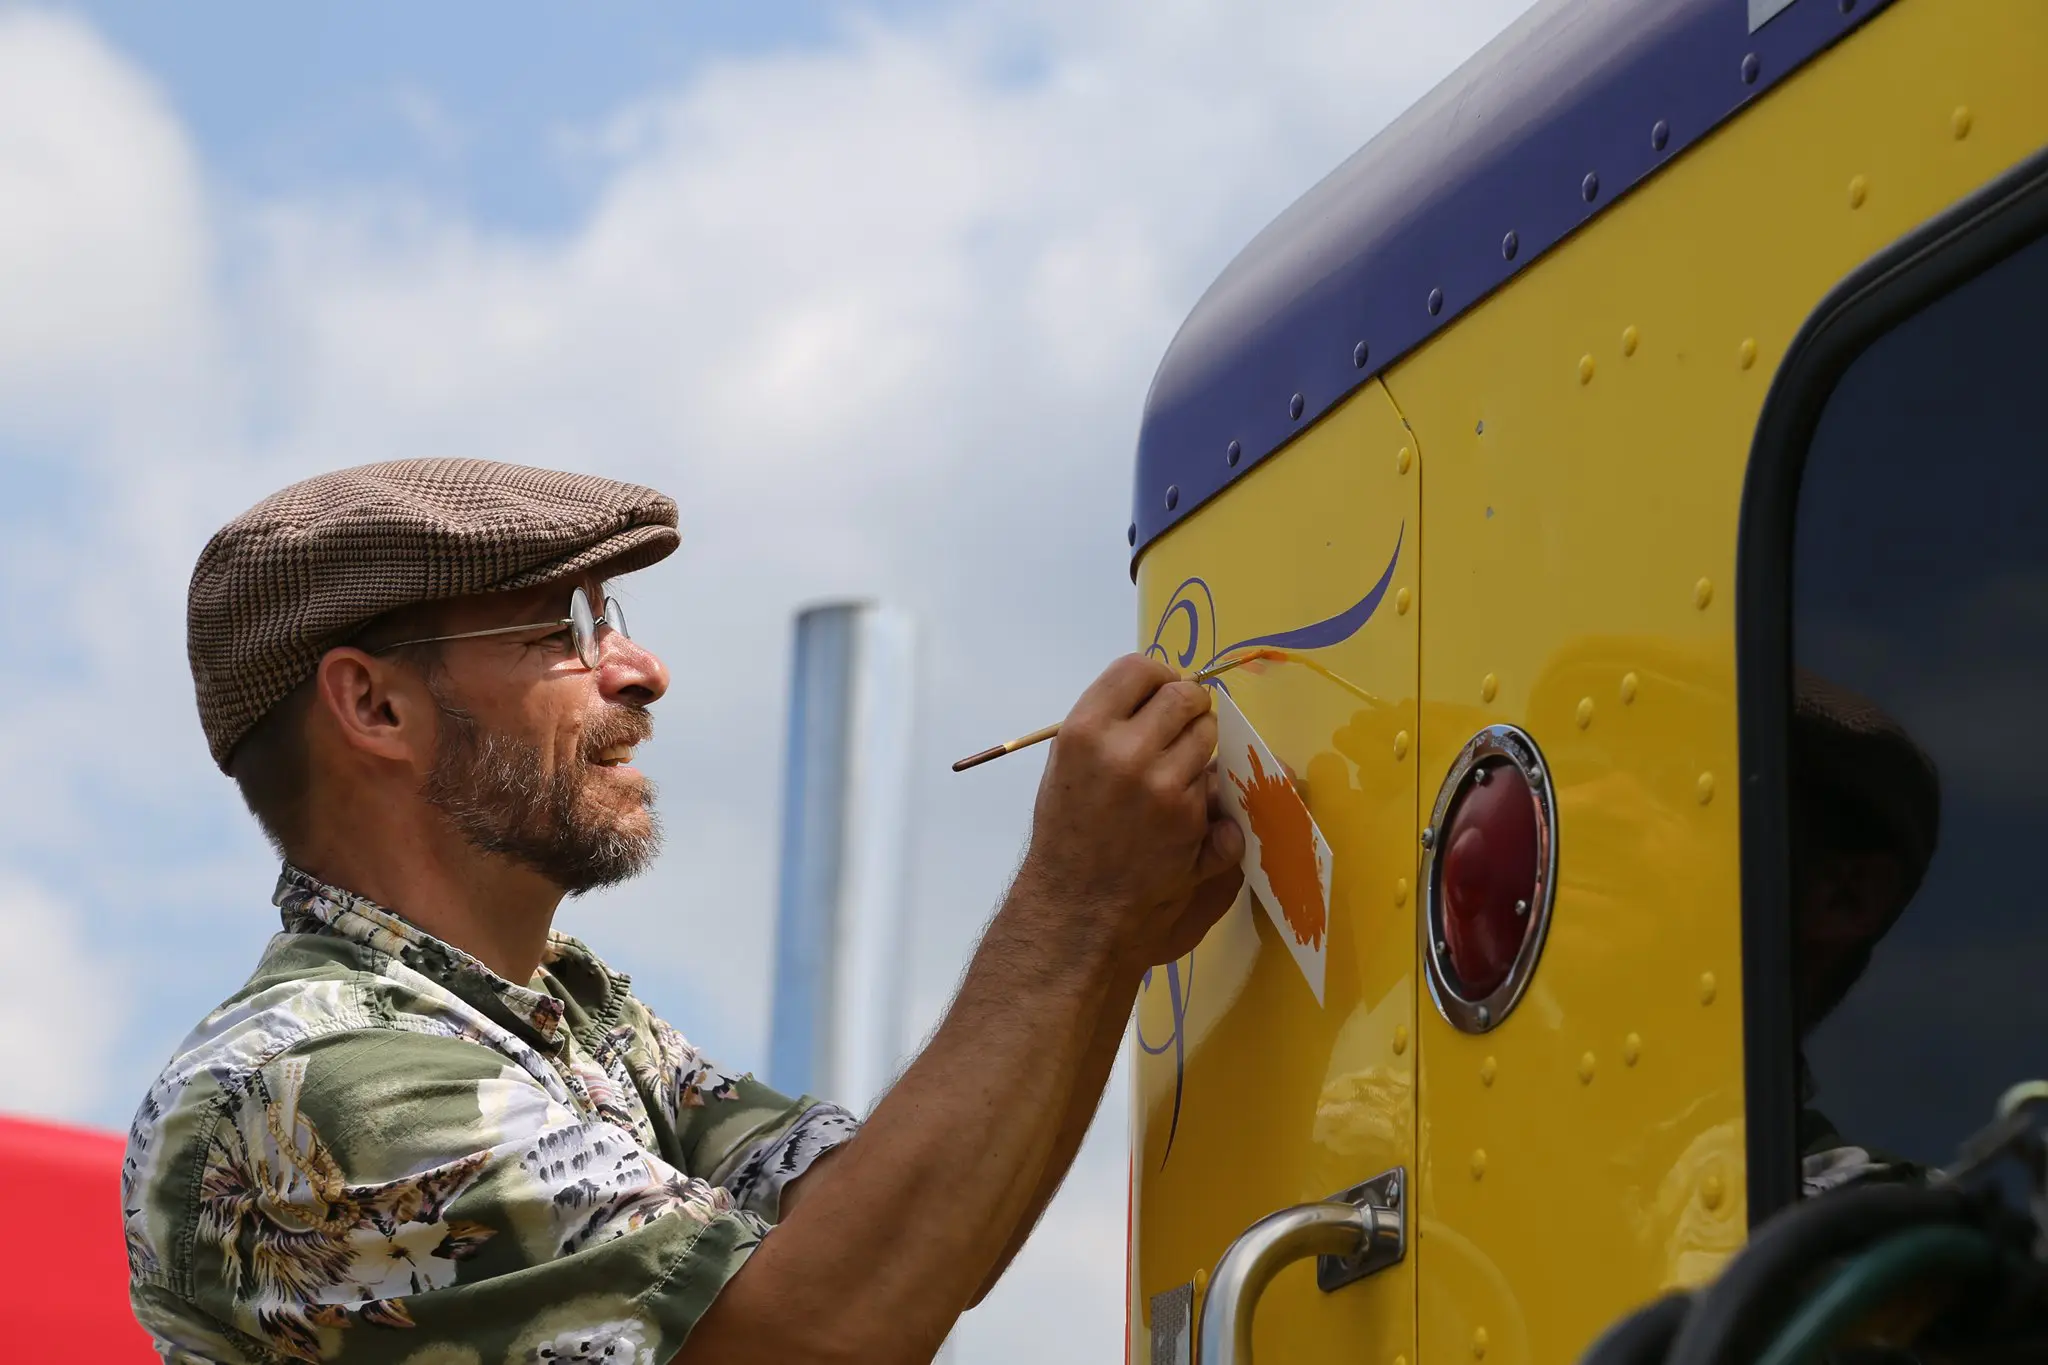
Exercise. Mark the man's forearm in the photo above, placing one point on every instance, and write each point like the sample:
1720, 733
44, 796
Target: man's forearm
918, 1212
1097, 1063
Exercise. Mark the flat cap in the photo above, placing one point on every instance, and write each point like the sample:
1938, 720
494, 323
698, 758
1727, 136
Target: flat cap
307, 567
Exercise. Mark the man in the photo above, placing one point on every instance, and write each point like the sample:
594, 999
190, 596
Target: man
1866, 815
430, 1130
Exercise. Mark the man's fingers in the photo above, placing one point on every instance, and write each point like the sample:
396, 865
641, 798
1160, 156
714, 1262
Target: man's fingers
1222, 850
1122, 689
1169, 711
1187, 758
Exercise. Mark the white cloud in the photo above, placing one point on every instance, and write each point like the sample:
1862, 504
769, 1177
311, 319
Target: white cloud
62, 997
880, 315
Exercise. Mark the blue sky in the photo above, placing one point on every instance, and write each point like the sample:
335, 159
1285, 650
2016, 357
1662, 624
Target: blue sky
839, 278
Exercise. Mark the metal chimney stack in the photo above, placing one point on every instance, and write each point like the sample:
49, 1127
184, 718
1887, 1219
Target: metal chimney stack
841, 939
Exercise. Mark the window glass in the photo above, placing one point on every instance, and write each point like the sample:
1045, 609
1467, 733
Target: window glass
1919, 758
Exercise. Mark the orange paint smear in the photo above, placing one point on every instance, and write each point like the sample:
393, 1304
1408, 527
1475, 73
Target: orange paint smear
1287, 848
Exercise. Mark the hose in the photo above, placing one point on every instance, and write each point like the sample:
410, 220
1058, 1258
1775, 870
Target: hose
1853, 1291
1734, 1318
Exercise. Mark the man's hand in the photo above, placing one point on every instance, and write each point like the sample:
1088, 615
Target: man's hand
1129, 840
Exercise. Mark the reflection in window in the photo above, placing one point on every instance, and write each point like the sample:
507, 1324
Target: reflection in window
1920, 753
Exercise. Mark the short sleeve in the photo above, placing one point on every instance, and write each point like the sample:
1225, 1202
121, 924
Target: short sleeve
387, 1196
744, 1137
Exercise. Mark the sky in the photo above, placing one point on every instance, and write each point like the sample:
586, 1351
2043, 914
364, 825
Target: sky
874, 291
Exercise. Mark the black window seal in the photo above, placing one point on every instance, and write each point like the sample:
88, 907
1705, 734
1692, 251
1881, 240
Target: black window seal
1933, 260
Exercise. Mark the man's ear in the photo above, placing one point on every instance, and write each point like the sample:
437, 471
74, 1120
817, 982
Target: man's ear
377, 708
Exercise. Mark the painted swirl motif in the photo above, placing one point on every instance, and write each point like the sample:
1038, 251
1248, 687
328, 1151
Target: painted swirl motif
1183, 639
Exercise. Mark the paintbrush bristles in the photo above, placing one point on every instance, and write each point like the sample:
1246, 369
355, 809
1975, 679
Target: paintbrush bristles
1200, 675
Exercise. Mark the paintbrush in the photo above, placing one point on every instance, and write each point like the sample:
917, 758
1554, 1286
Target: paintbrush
1200, 675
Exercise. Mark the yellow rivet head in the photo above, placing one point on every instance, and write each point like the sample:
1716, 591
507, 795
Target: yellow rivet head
1703, 593
1487, 1069
1400, 1360
1400, 1039
1745, 354
1586, 1066
1711, 1191
1709, 988
1585, 369
1585, 712
1401, 601
1704, 788
1629, 340
1959, 122
1632, 1049
1859, 190
1403, 460
1401, 745
1401, 891
1489, 687
1479, 1343
1628, 689
1201, 1279
1479, 1163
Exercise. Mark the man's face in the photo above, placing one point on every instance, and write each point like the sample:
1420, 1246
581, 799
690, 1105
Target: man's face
1844, 902
533, 753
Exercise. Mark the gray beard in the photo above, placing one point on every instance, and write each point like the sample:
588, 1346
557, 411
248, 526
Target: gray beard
495, 791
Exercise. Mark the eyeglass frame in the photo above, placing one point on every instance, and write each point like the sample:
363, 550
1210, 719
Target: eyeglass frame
586, 640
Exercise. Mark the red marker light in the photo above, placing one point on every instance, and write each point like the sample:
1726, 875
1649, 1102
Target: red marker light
1492, 852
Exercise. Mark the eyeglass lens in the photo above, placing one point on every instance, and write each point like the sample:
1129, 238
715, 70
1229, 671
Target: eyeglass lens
584, 624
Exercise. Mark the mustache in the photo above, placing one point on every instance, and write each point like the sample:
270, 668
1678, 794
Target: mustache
617, 725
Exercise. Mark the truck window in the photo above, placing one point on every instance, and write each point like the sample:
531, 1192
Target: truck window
1916, 762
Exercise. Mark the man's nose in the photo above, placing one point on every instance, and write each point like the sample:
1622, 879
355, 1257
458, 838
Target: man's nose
628, 672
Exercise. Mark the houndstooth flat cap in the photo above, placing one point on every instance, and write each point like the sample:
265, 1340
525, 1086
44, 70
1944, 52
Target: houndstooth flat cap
305, 568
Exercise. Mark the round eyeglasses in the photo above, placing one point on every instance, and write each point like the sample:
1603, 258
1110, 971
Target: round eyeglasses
581, 621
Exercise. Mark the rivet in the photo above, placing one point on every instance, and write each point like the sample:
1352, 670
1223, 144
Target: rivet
1521, 909
1859, 190
1428, 837
1487, 1070
1629, 339
1750, 69
1586, 1065
1509, 245
1436, 302
1628, 689
1400, 1039
1708, 988
1485, 1014
1481, 776
1704, 788
1400, 891
1479, 1343
1201, 1279
1401, 601
1479, 427
1403, 460
1360, 354
1632, 1049
1660, 135
1846, 6
1479, 1163
1745, 354
1585, 712
1172, 496
1400, 1360
1589, 188
1489, 687
1959, 122
1401, 745
1585, 369
1703, 593
1131, 535
1710, 1191
1294, 407
1232, 454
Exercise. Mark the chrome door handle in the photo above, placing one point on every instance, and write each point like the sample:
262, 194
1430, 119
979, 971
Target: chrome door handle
1352, 1235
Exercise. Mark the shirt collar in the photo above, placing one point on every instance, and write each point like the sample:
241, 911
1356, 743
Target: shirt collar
309, 905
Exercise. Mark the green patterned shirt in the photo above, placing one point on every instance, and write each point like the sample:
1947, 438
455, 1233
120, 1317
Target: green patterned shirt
380, 1151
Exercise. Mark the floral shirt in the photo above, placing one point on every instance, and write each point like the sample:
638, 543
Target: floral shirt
381, 1151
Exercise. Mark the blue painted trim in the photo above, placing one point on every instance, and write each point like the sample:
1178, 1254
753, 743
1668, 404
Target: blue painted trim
1574, 105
